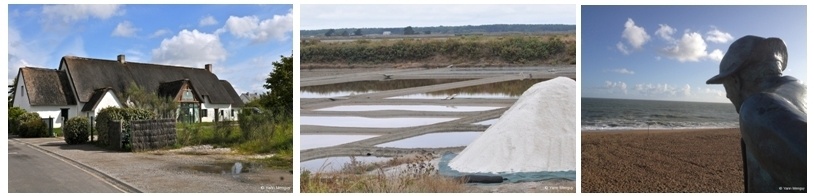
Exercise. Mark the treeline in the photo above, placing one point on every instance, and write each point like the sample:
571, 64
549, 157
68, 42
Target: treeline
550, 49
469, 29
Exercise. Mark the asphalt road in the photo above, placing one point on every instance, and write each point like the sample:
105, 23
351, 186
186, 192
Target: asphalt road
33, 171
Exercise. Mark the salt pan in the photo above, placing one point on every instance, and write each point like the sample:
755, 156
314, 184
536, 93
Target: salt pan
538, 133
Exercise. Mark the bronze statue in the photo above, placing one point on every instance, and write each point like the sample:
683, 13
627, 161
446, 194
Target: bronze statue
772, 110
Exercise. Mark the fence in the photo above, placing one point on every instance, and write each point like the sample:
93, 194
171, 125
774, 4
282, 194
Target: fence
144, 134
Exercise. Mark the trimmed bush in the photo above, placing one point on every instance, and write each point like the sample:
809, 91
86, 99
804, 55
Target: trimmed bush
14, 114
76, 130
31, 125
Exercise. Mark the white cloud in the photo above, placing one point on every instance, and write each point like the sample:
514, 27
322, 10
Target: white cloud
125, 29
66, 14
691, 47
717, 36
716, 55
623, 71
622, 48
666, 32
686, 90
207, 21
636, 36
616, 86
190, 48
257, 30
159, 33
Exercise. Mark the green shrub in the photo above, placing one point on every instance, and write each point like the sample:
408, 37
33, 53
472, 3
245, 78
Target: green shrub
31, 125
14, 114
110, 114
76, 130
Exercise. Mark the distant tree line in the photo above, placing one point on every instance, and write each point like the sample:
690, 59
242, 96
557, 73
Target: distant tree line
511, 49
469, 29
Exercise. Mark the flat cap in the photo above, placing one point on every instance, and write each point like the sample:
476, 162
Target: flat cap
747, 50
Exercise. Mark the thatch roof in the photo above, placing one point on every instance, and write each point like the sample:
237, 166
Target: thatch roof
47, 87
97, 96
90, 74
170, 89
236, 101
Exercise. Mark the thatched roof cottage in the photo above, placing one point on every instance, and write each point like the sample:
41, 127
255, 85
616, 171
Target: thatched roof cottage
84, 86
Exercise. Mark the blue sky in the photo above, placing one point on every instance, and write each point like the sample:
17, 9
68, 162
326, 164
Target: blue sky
369, 16
241, 41
668, 52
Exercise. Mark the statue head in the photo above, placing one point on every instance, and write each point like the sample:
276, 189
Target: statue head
748, 59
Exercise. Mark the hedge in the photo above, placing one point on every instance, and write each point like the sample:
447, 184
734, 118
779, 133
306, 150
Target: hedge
109, 114
31, 125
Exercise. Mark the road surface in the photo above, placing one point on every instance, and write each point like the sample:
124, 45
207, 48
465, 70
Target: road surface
33, 171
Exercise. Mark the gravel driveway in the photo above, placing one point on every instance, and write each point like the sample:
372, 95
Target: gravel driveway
187, 170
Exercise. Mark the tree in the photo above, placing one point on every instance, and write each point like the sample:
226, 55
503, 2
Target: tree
427, 32
12, 89
280, 98
358, 32
345, 33
329, 33
162, 107
408, 30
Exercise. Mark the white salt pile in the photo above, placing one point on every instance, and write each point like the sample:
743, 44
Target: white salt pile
536, 134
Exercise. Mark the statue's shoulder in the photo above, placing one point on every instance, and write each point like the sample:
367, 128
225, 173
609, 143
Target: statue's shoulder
770, 108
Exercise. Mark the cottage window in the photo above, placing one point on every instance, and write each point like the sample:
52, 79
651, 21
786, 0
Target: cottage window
187, 96
204, 112
233, 113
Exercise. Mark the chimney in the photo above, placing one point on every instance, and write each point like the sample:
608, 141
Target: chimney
208, 67
120, 58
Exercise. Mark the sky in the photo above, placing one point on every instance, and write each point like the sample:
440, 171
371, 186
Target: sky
669, 52
315, 17
241, 41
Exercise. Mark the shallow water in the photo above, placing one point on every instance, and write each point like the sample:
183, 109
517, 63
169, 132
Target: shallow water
354, 121
364, 87
500, 90
318, 141
435, 140
428, 108
336, 163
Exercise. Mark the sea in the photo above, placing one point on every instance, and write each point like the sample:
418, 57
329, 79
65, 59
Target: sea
600, 114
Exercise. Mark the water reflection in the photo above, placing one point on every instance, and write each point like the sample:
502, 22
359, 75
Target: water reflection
435, 140
428, 108
355, 121
499, 90
318, 141
364, 87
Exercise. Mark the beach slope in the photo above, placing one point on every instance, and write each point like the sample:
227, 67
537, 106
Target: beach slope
662, 161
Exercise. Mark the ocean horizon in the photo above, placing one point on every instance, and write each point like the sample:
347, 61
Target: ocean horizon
607, 114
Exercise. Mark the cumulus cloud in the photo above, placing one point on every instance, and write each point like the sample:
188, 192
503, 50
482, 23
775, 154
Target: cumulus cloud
691, 47
257, 30
623, 71
207, 21
665, 32
124, 29
622, 48
718, 36
190, 48
661, 90
613, 87
67, 14
636, 36
159, 33
716, 55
